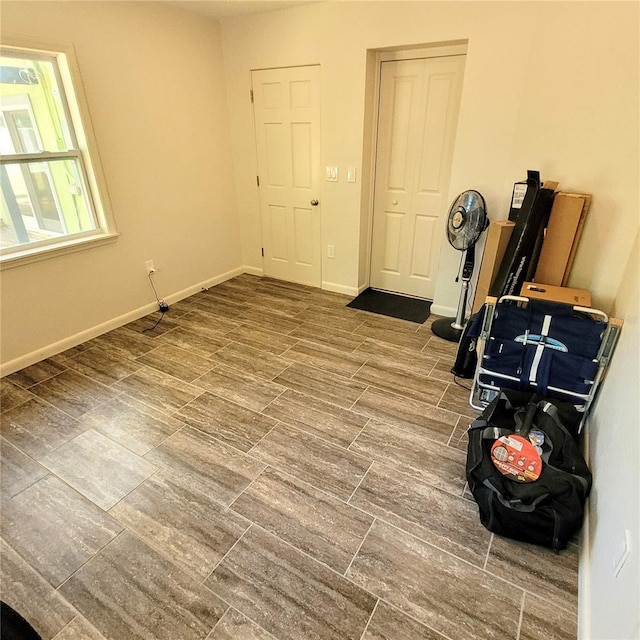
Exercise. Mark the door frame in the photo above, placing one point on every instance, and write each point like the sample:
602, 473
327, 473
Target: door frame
376, 57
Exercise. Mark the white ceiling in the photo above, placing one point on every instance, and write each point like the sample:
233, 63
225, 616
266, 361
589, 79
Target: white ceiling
229, 8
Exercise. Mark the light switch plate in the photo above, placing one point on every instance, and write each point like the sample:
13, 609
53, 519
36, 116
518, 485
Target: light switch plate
351, 174
331, 174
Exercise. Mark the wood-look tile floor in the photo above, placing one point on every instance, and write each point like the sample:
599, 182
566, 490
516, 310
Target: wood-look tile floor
265, 464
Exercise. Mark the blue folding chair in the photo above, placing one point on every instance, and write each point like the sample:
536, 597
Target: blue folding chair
555, 350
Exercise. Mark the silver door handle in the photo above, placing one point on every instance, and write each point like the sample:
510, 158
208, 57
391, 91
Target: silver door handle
314, 203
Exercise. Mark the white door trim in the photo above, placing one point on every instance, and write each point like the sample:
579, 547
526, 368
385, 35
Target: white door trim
435, 51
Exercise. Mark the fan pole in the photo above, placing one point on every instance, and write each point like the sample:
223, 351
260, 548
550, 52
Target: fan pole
451, 328
458, 323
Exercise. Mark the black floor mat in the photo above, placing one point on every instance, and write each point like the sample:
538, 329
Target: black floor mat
392, 305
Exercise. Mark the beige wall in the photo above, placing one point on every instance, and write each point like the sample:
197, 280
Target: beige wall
154, 83
548, 86
609, 602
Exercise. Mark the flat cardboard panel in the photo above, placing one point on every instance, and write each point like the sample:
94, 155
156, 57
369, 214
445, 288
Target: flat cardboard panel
576, 240
497, 240
577, 297
560, 241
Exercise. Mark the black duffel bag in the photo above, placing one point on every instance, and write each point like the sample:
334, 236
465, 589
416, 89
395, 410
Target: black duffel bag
548, 510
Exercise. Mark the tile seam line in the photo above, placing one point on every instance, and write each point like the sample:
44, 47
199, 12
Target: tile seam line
342, 576
66, 413
97, 429
420, 622
23, 388
392, 470
76, 420
373, 611
364, 475
467, 562
33, 569
175, 413
143, 538
230, 506
64, 582
521, 616
232, 608
163, 472
364, 426
157, 472
431, 544
190, 576
308, 484
329, 443
355, 555
333, 404
403, 427
233, 546
168, 375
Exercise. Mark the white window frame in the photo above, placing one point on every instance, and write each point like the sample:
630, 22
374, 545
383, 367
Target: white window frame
86, 152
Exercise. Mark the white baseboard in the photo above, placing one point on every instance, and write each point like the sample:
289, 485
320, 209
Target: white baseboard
584, 561
341, 288
584, 580
439, 310
93, 332
254, 271
206, 284
72, 341
53, 349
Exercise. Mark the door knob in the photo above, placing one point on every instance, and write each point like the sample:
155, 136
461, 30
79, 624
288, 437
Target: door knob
314, 203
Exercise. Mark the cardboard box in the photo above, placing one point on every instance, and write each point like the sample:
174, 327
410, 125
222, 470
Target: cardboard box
561, 238
576, 297
497, 240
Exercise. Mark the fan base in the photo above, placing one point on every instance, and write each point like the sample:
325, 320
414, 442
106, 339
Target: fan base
443, 329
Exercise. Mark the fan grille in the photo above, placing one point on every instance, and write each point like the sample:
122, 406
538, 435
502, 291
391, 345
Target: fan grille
467, 219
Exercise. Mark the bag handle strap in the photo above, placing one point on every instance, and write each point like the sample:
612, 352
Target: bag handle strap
488, 432
552, 411
524, 424
515, 503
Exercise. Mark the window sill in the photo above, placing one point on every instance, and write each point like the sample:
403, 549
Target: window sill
29, 256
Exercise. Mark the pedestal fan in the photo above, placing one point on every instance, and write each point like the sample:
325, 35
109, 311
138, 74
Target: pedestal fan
466, 221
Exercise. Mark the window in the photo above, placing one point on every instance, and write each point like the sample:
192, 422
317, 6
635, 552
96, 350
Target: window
50, 201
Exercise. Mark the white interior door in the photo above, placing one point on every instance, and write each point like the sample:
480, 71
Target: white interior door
287, 120
417, 120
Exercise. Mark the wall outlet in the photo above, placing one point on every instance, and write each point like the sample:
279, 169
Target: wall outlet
150, 268
331, 251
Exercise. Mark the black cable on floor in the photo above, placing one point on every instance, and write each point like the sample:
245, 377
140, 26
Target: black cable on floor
161, 306
156, 324
455, 379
